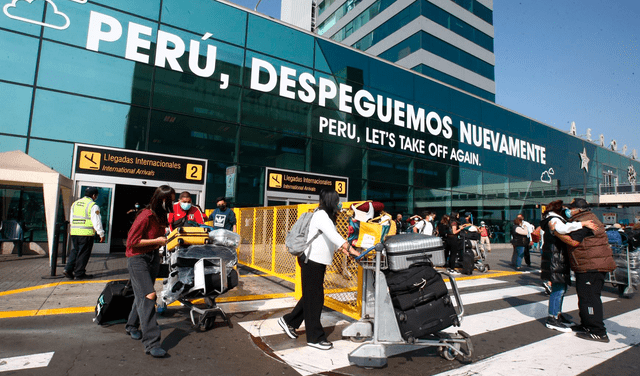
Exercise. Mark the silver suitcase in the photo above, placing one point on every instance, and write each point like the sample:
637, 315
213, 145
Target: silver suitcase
404, 250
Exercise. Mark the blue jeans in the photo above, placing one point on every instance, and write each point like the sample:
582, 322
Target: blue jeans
555, 298
516, 259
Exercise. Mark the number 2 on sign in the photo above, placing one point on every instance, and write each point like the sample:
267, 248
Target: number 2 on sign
194, 171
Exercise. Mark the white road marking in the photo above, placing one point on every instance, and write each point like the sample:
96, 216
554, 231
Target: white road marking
504, 318
25, 362
270, 327
563, 354
491, 295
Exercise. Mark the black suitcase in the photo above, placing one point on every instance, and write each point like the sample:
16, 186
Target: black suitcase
415, 286
114, 303
428, 318
468, 259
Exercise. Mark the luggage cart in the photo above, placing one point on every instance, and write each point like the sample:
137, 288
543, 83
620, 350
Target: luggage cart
479, 254
623, 276
378, 328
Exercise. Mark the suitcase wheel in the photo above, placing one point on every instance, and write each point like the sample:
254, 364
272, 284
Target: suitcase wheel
402, 317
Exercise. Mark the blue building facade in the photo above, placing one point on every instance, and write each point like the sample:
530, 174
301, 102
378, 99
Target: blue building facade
208, 80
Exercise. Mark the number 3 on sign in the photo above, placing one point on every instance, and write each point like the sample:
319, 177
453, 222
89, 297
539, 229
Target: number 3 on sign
341, 187
194, 171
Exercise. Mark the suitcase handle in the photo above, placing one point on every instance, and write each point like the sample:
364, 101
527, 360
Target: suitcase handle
378, 247
456, 294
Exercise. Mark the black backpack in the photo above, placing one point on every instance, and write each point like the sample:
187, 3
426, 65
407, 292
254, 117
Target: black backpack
114, 303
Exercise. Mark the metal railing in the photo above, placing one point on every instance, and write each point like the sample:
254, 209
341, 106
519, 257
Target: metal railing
263, 231
619, 189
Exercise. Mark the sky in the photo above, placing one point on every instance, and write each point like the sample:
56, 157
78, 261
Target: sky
563, 61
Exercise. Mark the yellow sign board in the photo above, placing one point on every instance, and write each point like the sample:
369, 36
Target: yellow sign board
275, 180
341, 187
194, 171
89, 160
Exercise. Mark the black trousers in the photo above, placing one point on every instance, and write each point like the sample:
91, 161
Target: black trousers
589, 288
454, 244
309, 307
79, 256
527, 255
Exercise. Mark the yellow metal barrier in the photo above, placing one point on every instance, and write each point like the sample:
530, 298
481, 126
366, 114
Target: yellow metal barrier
263, 231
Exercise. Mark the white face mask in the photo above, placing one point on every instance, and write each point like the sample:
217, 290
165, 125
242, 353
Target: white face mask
185, 206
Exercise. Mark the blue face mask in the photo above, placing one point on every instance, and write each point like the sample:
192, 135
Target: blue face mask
567, 213
185, 205
339, 205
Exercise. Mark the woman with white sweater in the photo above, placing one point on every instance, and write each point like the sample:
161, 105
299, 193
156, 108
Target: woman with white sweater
313, 265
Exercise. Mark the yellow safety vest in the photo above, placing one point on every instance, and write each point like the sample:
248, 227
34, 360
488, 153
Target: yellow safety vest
81, 224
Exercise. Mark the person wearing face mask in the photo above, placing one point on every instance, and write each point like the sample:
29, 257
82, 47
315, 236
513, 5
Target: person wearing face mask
591, 258
146, 236
184, 211
223, 216
425, 226
313, 263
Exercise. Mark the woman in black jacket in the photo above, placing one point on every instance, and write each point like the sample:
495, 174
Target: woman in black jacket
555, 266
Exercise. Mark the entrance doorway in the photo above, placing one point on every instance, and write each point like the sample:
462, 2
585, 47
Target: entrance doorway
125, 199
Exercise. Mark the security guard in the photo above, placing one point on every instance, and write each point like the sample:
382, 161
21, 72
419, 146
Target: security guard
85, 223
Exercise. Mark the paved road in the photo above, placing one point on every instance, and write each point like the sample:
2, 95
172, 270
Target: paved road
504, 315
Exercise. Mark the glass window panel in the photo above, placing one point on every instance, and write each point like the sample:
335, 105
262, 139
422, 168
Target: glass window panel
251, 179
15, 105
437, 200
182, 92
76, 33
274, 112
142, 8
206, 16
277, 65
265, 148
8, 143
18, 57
77, 119
393, 196
228, 61
275, 39
84, 72
25, 205
341, 62
387, 167
189, 136
57, 155
23, 9
334, 159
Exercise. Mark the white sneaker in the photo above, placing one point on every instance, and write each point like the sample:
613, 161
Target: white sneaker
453, 271
322, 345
287, 329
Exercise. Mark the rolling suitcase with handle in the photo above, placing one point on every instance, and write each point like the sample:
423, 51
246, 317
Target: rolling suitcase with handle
425, 319
414, 286
404, 250
186, 236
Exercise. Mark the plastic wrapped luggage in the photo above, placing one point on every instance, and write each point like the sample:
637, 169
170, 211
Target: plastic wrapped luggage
185, 236
414, 286
428, 318
621, 275
404, 250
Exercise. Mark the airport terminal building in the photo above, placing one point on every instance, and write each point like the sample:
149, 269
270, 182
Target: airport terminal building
230, 93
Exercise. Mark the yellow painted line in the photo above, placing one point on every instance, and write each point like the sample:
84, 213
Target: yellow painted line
48, 285
45, 312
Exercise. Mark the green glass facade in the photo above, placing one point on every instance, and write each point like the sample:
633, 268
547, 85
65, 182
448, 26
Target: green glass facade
205, 79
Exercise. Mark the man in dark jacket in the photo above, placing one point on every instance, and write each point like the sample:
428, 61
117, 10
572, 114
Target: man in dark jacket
591, 258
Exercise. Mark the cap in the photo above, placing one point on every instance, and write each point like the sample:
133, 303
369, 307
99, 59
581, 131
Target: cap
91, 191
481, 223
578, 203
466, 214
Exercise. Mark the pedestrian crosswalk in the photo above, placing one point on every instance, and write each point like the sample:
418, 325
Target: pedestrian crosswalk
498, 307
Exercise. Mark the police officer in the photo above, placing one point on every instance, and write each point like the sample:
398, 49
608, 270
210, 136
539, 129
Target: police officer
85, 223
